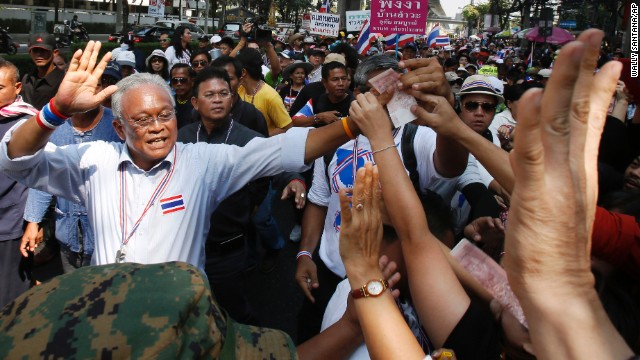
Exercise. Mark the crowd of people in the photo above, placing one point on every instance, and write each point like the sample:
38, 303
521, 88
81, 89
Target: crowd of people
178, 156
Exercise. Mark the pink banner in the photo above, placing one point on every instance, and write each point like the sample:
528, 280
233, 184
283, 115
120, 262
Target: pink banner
399, 16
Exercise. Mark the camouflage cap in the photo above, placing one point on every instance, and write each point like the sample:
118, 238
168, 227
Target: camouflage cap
131, 311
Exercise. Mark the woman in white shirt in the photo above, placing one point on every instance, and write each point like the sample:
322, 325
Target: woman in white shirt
180, 49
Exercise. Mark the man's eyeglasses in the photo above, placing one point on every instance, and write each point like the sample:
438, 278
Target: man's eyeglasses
473, 106
200, 63
222, 95
108, 80
144, 122
179, 80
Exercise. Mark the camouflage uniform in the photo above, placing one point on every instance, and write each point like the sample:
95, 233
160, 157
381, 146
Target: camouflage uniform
131, 311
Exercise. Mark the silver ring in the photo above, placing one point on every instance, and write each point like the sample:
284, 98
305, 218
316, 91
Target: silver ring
359, 207
302, 195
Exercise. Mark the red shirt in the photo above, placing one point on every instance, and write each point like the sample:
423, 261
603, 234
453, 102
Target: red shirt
616, 239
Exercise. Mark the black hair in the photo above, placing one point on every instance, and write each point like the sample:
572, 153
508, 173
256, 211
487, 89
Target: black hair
222, 61
513, 92
228, 41
176, 41
192, 73
326, 68
201, 52
208, 74
165, 69
350, 54
252, 62
623, 202
451, 62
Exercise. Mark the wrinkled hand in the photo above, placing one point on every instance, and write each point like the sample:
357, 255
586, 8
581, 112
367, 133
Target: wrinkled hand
307, 276
426, 76
368, 112
361, 225
31, 238
621, 93
79, 90
436, 112
296, 188
554, 199
488, 231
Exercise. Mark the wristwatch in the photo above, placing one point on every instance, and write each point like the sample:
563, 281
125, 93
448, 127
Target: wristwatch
373, 287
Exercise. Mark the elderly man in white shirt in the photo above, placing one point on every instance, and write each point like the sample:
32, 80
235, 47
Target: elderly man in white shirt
149, 199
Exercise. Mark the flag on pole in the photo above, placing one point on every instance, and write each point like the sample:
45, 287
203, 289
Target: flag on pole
442, 40
364, 39
403, 39
433, 34
325, 6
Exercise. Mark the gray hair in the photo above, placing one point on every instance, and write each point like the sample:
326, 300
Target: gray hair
372, 63
132, 82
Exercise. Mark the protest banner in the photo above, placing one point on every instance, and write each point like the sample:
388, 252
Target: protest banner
399, 16
355, 19
324, 24
156, 8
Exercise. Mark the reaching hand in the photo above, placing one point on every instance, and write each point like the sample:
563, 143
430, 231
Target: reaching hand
79, 90
367, 112
361, 225
426, 76
295, 187
554, 162
436, 112
307, 276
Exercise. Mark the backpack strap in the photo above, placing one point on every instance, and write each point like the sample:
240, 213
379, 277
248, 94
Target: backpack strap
408, 154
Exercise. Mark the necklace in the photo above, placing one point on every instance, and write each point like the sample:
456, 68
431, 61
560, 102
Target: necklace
181, 102
122, 253
254, 92
226, 137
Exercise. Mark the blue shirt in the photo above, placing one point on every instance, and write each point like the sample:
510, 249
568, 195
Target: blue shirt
70, 216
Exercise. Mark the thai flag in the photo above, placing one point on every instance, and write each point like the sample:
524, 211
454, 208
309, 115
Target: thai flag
306, 111
433, 34
364, 39
325, 6
172, 204
403, 39
441, 41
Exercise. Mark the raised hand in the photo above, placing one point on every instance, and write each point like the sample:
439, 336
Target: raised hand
79, 90
426, 76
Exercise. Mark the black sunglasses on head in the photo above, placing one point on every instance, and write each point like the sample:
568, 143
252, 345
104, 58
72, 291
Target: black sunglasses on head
473, 106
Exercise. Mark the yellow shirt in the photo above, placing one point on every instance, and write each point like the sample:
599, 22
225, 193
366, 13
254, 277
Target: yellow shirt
270, 104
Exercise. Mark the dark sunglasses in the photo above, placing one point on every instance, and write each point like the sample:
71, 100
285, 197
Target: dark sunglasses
200, 63
179, 80
106, 81
156, 59
164, 40
473, 106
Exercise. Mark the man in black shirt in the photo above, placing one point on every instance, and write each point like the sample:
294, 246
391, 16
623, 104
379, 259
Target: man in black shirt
242, 111
39, 86
182, 83
225, 246
333, 104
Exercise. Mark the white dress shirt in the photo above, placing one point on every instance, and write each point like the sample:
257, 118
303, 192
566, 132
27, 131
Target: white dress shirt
204, 175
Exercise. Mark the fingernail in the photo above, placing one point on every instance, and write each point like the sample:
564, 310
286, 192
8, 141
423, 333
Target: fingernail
399, 85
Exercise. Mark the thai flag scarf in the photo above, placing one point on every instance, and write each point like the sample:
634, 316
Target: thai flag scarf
16, 108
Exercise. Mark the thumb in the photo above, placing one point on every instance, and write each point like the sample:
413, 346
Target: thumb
106, 93
285, 193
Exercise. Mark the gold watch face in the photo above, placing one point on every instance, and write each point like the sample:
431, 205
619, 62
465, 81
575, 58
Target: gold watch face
375, 287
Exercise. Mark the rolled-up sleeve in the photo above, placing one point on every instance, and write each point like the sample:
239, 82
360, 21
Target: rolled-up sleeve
37, 204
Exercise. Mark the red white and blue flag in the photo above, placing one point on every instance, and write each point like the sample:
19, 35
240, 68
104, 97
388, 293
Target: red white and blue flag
364, 39
433, 34
441, 41
325, 6
306, 110
172, 204
403, 39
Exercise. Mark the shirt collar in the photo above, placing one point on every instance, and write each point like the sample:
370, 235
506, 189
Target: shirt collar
125, 157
